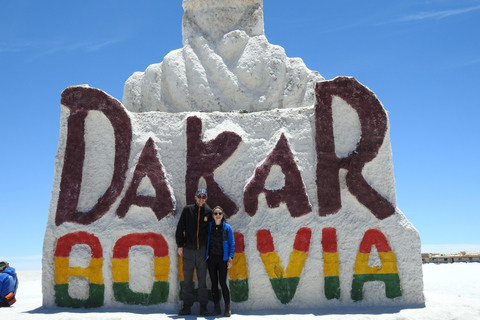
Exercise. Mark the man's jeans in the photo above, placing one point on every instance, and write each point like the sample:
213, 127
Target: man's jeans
194, 259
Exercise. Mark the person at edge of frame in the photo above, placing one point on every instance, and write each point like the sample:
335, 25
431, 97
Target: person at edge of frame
8, 284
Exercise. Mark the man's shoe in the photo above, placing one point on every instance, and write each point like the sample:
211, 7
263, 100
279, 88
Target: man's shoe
184, 311
203, 310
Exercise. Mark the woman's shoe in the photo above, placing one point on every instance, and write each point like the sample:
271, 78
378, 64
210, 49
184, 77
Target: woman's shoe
217, 310
228, 311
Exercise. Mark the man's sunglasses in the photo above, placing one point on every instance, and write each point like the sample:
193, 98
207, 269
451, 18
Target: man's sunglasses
217, 213
202, 197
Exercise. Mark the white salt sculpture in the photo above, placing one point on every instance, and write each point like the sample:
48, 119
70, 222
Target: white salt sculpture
226, 64
306, 176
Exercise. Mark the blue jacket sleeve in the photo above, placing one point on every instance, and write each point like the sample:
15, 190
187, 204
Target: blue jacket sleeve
209, 230
7, 284
4, 285
231, 242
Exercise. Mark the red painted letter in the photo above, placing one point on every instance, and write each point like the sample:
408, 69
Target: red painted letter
293, 192
203, 158
373, 121
148, 165
81, 100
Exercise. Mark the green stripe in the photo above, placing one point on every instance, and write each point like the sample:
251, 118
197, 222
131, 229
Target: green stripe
239, 290
332, 287
159, 294
391, 280
285, 288
94, 300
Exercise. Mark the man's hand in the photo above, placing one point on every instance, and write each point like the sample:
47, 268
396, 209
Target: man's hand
229, 263
180, 252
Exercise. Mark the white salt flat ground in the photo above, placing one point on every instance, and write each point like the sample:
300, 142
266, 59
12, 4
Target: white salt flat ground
452, 291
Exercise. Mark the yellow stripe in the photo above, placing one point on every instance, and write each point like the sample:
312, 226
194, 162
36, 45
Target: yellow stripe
331, 264
273, 265
162, 268
120, 271
239, 268
63, 271
180, 269
296, 263
389, 264
95, 271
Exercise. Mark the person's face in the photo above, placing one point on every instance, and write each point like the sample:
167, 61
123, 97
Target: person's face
200, 199
217, 216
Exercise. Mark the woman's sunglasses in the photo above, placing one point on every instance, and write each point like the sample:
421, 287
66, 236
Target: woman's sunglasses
217, 213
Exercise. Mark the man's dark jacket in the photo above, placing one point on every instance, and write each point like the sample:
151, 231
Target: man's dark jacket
193, 219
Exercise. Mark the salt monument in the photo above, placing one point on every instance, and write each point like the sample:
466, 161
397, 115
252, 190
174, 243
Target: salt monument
303, 167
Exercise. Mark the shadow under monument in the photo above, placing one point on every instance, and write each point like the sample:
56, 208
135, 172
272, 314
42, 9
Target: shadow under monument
337, 310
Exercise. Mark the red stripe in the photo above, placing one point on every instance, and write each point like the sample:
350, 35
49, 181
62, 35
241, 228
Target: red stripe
154, 240
264, 241
66, 243
239, 242
329, 240
302, 240
374, 237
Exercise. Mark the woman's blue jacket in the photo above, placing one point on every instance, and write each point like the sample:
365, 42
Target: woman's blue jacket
228, 240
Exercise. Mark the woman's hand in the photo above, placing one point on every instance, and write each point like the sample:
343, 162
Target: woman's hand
229, 263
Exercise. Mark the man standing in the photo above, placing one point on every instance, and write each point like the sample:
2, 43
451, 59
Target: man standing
191, 238
8, 284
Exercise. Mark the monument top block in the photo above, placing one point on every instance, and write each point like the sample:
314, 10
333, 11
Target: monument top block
226, 64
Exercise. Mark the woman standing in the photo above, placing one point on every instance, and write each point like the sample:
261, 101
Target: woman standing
220, 249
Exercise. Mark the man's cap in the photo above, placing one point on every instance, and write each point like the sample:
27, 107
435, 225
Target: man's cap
200, 191
3, 265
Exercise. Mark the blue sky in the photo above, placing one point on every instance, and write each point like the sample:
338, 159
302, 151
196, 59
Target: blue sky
421, 58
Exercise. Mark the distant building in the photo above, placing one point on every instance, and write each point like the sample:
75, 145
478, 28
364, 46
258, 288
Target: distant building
461, 256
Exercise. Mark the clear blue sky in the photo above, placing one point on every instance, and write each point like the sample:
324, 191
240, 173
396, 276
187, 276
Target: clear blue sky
421, 58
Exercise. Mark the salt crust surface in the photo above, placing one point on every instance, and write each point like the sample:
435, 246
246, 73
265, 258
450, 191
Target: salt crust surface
451, 292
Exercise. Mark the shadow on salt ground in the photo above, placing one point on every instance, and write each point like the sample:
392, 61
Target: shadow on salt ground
343, 310
132, 310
